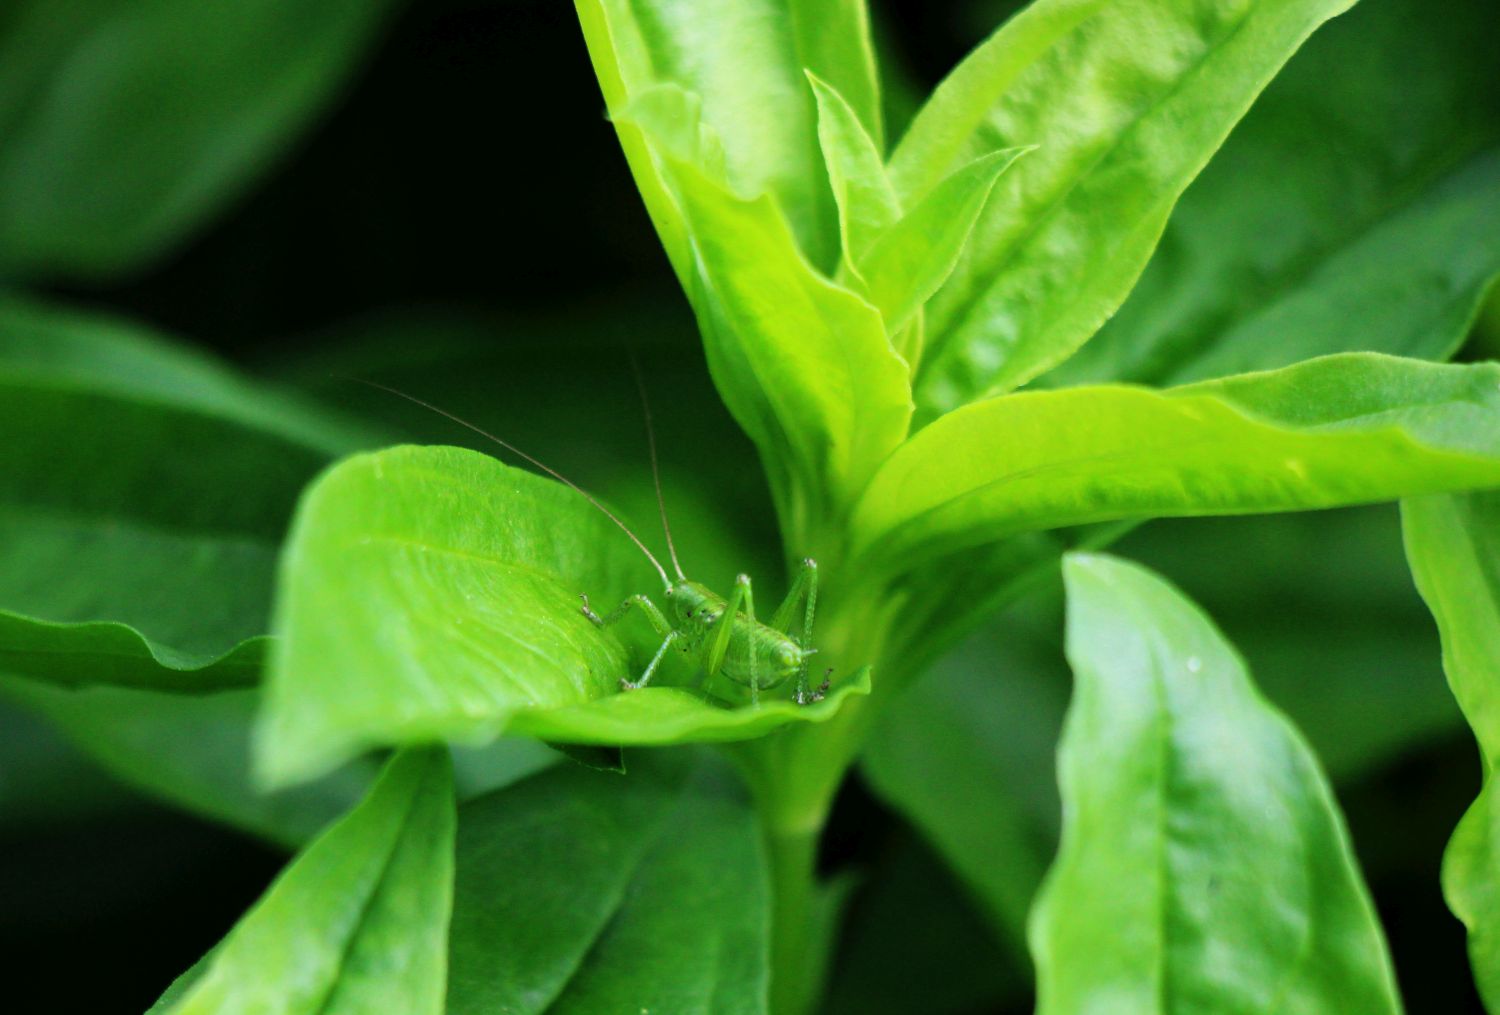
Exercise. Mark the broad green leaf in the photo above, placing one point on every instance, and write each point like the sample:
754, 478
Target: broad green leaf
803, 364
127, 124
1452, 543
1232, 883
1127, 101
582, 891
432, 594
745, 59
1352, 210
867, 203
359, 921
911, 259
1348, 429
161, 477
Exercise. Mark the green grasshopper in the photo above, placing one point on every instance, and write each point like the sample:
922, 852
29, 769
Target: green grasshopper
725, 640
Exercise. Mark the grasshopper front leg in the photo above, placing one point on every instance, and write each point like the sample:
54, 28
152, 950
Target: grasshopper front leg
658, 621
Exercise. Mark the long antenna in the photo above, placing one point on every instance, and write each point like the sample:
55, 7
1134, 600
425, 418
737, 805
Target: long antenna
545, 468
661, 505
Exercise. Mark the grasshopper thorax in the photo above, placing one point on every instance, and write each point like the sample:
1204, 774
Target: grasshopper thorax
694, 604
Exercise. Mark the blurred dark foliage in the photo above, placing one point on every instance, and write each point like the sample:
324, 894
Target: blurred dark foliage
469, 169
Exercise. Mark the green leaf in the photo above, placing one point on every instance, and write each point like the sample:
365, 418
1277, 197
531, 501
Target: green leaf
867, 204
358, 922
432, 594
127, 124
1127, 101
159, 475
1170, 765
803, 364
745, 59
911, 259
582, 891
1453, 544
1352, 210
1347, 429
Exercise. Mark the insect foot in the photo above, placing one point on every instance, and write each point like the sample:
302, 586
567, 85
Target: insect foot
627, 684
819, 693
598, 620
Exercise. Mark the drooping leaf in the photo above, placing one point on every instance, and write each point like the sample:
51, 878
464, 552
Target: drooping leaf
1126, 101
359, 921
159, 476
1352, 210
1453, 544
745, 59
432, 594
127, 124
1347, 429
583, 891
1231, 882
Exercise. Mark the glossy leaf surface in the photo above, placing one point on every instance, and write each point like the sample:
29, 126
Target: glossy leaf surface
1171, 763
432, 593
1453, 544
127, 123
804, 364
746, 60
1338, 430
1352, 210
358, 922
581, 891
161, 477
1127, 101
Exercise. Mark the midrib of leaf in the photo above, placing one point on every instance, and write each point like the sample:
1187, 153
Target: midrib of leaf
965, 310
364, 910
617, 898
1294, 275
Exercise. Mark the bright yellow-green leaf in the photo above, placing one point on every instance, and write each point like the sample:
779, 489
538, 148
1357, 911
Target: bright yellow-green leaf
1344, 429
1126, 101
433, 594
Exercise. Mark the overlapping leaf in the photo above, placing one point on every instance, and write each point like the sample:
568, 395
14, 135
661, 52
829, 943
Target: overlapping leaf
165, 480
1231, 882
358, 922
432, 593
745, 59
1127, 101
1352, 210
1453, 544
1338, 430
580, 891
